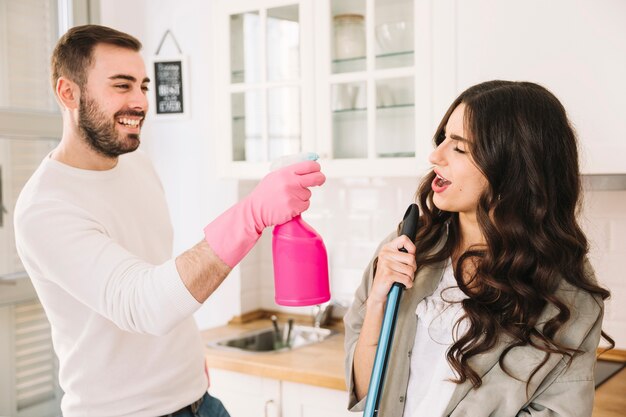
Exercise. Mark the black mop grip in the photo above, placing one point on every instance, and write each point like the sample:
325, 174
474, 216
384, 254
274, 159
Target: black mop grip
409, 223
409, 228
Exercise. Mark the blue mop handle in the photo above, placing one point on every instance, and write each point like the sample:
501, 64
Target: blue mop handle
409, 228
382, 351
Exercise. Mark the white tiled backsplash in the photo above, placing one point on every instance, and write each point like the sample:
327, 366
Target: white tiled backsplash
354, 215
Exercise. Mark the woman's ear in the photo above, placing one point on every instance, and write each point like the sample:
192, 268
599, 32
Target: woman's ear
68, 93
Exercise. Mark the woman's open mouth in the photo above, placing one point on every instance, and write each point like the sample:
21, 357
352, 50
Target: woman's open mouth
440, 183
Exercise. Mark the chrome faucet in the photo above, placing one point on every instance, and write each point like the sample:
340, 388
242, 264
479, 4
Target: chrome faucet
322, 314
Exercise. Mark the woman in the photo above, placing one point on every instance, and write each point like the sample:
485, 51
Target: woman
502, 314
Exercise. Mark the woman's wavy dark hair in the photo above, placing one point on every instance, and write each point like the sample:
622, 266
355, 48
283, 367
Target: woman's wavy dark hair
522, 141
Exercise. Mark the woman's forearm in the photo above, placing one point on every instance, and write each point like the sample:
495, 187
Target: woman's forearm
365, 349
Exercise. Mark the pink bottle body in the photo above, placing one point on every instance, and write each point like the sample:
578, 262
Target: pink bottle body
300, 265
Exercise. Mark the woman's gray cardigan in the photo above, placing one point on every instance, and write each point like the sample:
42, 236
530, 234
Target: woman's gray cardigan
555, 390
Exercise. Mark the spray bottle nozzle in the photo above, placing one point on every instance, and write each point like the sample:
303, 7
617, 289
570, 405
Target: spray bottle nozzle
293, 159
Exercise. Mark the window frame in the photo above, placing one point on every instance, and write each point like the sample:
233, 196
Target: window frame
38, 123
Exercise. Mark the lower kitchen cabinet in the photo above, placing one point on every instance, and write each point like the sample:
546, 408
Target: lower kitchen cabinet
247, 396
301, 400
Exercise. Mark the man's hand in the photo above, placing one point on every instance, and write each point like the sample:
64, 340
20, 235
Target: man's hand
280, 196
283, 194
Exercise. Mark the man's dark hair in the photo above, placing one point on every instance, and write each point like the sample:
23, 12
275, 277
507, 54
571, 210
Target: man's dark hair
72, 55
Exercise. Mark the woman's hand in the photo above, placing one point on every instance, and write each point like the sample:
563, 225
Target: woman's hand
393, 266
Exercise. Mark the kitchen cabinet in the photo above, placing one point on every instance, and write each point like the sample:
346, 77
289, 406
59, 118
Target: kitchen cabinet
364, 83
246, 395
300, 400
352, 80
574, 48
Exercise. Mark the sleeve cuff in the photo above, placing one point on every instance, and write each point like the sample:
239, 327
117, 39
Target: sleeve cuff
180, 302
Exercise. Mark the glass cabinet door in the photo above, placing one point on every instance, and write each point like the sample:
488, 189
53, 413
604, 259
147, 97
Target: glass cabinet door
348, 79
372, 78
265, 83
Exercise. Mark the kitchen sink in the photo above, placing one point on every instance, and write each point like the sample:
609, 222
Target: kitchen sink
268, 340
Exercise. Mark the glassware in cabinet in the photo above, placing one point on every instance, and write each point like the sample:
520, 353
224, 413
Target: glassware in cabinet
394, 33
348, 46
395, 120
372, 79
349, 119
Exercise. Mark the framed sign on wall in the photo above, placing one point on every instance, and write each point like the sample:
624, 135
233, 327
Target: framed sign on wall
170, 86
171, 90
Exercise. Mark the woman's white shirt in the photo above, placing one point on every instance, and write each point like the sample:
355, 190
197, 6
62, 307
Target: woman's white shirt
430, 389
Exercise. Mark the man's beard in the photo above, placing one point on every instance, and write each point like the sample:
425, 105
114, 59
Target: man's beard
100, 131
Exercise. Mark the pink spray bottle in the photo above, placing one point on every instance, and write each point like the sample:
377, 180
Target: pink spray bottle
299, 255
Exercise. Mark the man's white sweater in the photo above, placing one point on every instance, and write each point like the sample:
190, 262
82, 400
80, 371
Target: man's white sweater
98, 246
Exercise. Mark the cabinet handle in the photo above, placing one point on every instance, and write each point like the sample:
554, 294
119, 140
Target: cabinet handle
266, 407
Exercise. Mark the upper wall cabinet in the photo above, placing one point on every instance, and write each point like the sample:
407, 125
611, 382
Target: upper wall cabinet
348, 79
575, 48
364, 83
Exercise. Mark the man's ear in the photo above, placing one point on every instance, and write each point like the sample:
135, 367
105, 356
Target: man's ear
68, 93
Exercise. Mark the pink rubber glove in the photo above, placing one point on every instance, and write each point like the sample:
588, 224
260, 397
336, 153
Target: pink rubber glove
280, 196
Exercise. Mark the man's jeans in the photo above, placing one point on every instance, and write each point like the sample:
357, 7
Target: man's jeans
210, 407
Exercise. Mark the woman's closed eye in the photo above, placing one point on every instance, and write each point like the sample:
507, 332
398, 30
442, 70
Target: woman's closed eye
459, 142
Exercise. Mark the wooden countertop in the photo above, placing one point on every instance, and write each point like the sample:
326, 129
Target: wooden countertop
320, 364
610, 398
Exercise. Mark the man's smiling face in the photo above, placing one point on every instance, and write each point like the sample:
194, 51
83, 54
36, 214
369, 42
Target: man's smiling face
113, 102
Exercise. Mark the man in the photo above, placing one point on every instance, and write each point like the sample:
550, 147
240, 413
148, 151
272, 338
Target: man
93, 231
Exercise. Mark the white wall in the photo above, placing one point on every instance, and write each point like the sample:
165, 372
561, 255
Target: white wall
604, 222
183, 150
352, 215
